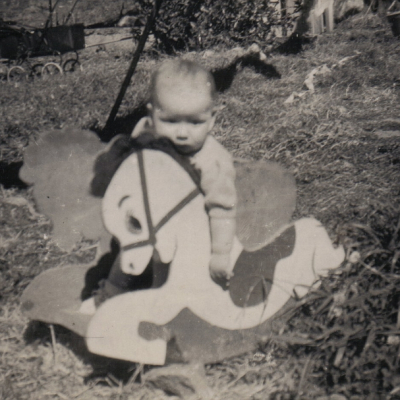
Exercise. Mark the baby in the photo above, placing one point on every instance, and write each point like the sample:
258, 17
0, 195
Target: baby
182, 109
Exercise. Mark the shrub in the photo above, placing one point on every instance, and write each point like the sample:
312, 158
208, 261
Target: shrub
190, 24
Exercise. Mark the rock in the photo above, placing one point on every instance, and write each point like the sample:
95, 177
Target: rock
127, 20
354, 257
208, 53
186, 381
343, 8
337, 397
387, 134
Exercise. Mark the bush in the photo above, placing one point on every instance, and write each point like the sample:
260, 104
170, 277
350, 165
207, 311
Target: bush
189, 24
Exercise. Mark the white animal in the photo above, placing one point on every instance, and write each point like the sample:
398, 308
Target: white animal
146, 187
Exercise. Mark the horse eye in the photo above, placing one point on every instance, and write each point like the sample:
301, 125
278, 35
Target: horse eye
133, 224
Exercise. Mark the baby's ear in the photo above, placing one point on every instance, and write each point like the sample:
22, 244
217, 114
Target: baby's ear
149, 107
214, 111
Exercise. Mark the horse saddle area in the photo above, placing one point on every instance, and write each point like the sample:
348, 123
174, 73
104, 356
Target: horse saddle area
179, 314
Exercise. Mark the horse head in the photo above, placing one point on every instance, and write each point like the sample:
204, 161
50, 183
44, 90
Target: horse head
144, 195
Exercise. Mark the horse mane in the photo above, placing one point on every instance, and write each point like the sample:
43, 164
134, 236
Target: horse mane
121, 147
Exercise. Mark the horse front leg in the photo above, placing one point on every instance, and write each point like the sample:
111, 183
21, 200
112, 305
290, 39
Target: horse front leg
114, 329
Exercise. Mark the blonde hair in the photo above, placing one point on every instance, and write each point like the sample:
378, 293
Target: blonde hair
182, 70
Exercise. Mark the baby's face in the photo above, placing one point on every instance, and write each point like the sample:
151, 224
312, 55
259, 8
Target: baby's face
184, 114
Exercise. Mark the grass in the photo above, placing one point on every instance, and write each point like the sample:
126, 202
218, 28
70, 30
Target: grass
343, 338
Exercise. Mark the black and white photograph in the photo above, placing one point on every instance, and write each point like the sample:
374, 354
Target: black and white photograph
199, 199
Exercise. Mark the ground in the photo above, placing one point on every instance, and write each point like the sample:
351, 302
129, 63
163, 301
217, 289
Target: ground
341, 141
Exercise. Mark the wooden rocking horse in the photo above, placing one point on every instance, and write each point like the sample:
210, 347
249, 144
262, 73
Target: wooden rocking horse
152, 206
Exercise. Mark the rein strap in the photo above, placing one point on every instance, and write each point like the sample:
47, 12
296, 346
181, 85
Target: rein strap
154, 229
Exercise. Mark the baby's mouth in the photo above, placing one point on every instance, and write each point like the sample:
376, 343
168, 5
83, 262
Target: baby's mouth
184, 148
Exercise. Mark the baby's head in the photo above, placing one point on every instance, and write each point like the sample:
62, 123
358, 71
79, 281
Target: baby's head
182, 104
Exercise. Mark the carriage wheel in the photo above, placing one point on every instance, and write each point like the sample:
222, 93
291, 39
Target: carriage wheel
3, 73
71, 65
16, 74
36, 70
59, 57
51, 68
71, 55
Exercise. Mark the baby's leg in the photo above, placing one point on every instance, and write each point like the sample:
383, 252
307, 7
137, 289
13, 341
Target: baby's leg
118, 282
115, 284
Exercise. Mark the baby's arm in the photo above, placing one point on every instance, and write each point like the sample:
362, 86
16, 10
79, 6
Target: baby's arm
221, 201
218, 176
222, 233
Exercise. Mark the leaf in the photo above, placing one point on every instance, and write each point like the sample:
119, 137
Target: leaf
266, 201
60, 166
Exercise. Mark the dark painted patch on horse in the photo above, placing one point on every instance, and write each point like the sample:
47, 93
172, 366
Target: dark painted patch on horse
254, 271
190, 338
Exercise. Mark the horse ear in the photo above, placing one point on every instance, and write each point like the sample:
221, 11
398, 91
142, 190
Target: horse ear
166, 246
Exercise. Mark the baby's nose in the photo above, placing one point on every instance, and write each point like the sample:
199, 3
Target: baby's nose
183, 132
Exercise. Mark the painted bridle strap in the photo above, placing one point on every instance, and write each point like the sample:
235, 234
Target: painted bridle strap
154, 229
146, 202
192, 195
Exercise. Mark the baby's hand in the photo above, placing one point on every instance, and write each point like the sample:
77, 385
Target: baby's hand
219, 269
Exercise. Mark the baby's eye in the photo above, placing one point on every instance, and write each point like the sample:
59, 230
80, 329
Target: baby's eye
197, 121
133, 224
170, 120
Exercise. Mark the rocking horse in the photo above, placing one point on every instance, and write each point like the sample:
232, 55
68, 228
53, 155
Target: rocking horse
156, 212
